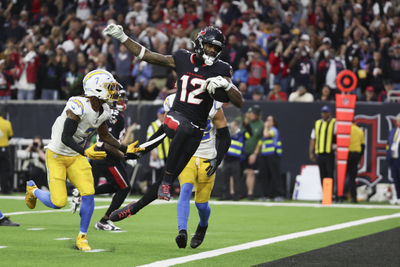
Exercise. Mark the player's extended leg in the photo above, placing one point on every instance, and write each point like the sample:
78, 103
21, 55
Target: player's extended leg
57, 197
186, 179
183, 146
117, 177
204, 187
80, 175
134, 207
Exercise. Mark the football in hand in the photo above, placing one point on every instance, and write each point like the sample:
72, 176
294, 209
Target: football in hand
220, 95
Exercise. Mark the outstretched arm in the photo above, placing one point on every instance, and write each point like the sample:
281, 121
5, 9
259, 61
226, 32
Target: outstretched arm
137, 49
234, 94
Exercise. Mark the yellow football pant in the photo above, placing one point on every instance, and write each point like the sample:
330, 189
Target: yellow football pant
195, 173
78, 171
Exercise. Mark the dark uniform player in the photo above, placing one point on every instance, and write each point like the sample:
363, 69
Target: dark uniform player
187, 119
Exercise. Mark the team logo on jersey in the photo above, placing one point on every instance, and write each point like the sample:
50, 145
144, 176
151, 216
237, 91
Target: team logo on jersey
373, 168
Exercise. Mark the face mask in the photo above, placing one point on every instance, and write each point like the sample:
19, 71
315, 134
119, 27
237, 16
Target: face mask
326, 53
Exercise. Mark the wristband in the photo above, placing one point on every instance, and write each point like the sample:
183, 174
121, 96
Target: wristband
141, 54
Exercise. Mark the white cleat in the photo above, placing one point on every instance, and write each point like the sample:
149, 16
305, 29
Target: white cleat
108, 226
75, 201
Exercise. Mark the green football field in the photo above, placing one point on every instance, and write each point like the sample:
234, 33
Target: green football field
46, 237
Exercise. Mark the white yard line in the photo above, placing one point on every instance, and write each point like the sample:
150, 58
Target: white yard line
45, 211
248, 203
268, 241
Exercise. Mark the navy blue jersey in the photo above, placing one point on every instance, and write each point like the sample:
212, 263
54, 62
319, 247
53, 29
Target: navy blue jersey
191, 101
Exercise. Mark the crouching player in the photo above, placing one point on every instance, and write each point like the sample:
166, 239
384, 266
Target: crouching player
199, 172
65, 154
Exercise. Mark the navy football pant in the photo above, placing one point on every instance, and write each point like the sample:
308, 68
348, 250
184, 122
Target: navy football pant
186, 138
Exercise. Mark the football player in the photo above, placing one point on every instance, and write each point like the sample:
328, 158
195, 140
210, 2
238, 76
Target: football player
199, 172
65, 154
199, 74
112, 167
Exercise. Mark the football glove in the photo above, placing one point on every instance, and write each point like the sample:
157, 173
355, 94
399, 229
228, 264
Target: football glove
96, 155
216, 82
133, 152
115, 31
213, 166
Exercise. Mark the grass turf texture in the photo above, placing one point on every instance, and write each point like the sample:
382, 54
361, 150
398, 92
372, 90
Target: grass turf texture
150, 234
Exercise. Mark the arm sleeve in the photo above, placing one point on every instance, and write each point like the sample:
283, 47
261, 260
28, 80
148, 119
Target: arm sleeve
70, 127
222, 143
154, 140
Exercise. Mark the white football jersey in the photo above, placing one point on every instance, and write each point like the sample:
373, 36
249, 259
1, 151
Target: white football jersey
90, 121
206, 148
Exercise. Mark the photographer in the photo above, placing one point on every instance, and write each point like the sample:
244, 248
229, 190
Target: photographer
34, 162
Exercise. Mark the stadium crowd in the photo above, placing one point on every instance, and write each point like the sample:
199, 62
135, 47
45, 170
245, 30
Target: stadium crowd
285, 50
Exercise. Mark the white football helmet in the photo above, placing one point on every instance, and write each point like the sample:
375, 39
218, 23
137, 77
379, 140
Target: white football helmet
101, 84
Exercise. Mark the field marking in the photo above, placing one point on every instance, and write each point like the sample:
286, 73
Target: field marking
62, 238
247, 203
35, 229
3, 246
46, 211
268, 241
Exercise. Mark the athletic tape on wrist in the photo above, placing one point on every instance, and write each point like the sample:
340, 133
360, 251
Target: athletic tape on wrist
141, 54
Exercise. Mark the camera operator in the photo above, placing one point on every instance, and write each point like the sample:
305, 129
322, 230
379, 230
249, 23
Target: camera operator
34, 162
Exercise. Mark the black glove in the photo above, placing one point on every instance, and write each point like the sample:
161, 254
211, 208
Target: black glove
136, 155
213, 166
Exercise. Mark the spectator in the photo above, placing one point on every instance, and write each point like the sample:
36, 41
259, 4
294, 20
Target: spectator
257, 73
369, 95
13, 30
253, 127
301, 95
301, 68
329, 68
388, 86
326, 94
49, 78
279, 68
27, 74
276, 93
257, 95
234, 53
241, 75
7, 133
73, 81
123, 64
393, 157
394, 69
375, 72
5, 82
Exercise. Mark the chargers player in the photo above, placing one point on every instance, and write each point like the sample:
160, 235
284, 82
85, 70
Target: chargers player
187, 119
65, 154
199, 172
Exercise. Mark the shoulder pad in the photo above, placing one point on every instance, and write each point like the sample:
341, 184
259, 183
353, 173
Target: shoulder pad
76, 106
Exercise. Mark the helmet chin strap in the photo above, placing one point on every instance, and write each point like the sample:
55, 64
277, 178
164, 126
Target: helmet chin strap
208, 60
